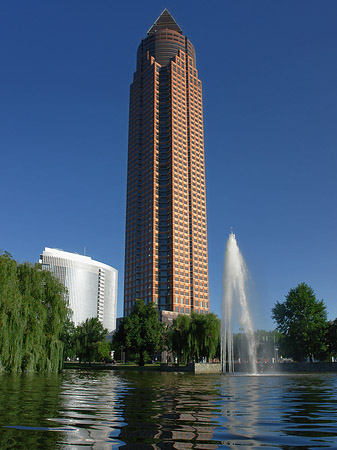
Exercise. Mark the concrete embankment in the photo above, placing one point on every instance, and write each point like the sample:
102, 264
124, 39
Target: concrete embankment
267, 368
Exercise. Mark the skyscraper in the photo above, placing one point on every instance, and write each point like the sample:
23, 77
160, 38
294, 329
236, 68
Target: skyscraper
166, 258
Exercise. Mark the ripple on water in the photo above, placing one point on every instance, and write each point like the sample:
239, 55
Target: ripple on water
105, 410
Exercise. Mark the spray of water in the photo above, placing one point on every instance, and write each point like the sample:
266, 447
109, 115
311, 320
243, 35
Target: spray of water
235, 292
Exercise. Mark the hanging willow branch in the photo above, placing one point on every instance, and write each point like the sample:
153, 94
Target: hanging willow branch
33, 310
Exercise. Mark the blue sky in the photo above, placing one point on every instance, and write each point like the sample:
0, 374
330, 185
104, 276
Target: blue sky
269, 71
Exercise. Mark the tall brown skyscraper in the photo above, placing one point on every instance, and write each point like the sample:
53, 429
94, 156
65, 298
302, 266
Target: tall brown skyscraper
166, 258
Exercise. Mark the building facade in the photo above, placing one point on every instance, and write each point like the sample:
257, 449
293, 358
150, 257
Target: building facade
166, 260
91, 285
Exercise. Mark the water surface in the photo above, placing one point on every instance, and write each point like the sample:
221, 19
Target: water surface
142, 410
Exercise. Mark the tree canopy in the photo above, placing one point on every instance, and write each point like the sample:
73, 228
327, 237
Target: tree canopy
331, 338
33, 308
195, 337
140, 332
302, 320
181, 338
90, 341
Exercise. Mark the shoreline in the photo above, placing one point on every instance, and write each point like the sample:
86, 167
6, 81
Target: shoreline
213, 368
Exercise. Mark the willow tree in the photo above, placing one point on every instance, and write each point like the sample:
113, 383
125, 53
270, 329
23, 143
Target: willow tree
205, 335
56, 303
195, 337
181, 338
12, 321
33, 309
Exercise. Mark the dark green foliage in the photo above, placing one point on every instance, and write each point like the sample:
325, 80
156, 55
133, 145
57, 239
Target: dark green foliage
68, 337
181, 338
140, 333
331, 338
33, 309
195, 337
302, 320
102, 350
11, 315
90, 340
208, 335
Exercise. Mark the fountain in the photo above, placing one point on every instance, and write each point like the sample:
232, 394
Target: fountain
235, 293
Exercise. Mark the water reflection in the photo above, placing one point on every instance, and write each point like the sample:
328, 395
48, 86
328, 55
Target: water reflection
313, 413
92, 405
26, 403
141, 410
278, 411
176, 411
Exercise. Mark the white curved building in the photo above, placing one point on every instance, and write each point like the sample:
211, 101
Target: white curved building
92, 285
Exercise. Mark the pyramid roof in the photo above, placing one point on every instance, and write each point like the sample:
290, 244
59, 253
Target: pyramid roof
165, 21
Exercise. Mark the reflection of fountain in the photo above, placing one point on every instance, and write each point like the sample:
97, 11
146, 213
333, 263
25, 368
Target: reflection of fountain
235, 291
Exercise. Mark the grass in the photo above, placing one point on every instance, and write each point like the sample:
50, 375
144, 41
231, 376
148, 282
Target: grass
118, 366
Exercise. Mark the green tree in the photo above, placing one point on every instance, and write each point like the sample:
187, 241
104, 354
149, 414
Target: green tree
45, 308
181, 338
302, 320
331, 338
12, 316
211, 337
102, 350
194, 337
33, 308
68, 337
140, 332
88, 334
205, 335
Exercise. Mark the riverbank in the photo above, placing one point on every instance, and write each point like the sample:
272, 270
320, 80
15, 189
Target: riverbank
159, 367
297, 367
199, 368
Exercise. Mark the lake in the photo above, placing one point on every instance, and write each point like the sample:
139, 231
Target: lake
150, 410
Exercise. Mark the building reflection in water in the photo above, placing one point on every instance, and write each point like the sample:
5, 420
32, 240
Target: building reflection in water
92, 407
174, 410
145, 410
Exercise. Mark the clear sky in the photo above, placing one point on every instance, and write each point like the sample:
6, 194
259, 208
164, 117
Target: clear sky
269, 73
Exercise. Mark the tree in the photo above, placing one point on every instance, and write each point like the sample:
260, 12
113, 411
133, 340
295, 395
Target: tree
205, 331
211, 338
68, 337
33, 308
195, 337
12, 316
331, 338
302, 320
44, 302
141, 331
88, 334
102, 350
181, 341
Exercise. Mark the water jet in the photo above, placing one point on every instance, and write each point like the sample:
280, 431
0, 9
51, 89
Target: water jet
235, 294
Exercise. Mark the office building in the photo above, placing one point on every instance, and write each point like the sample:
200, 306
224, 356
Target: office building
166, 259
91, 285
